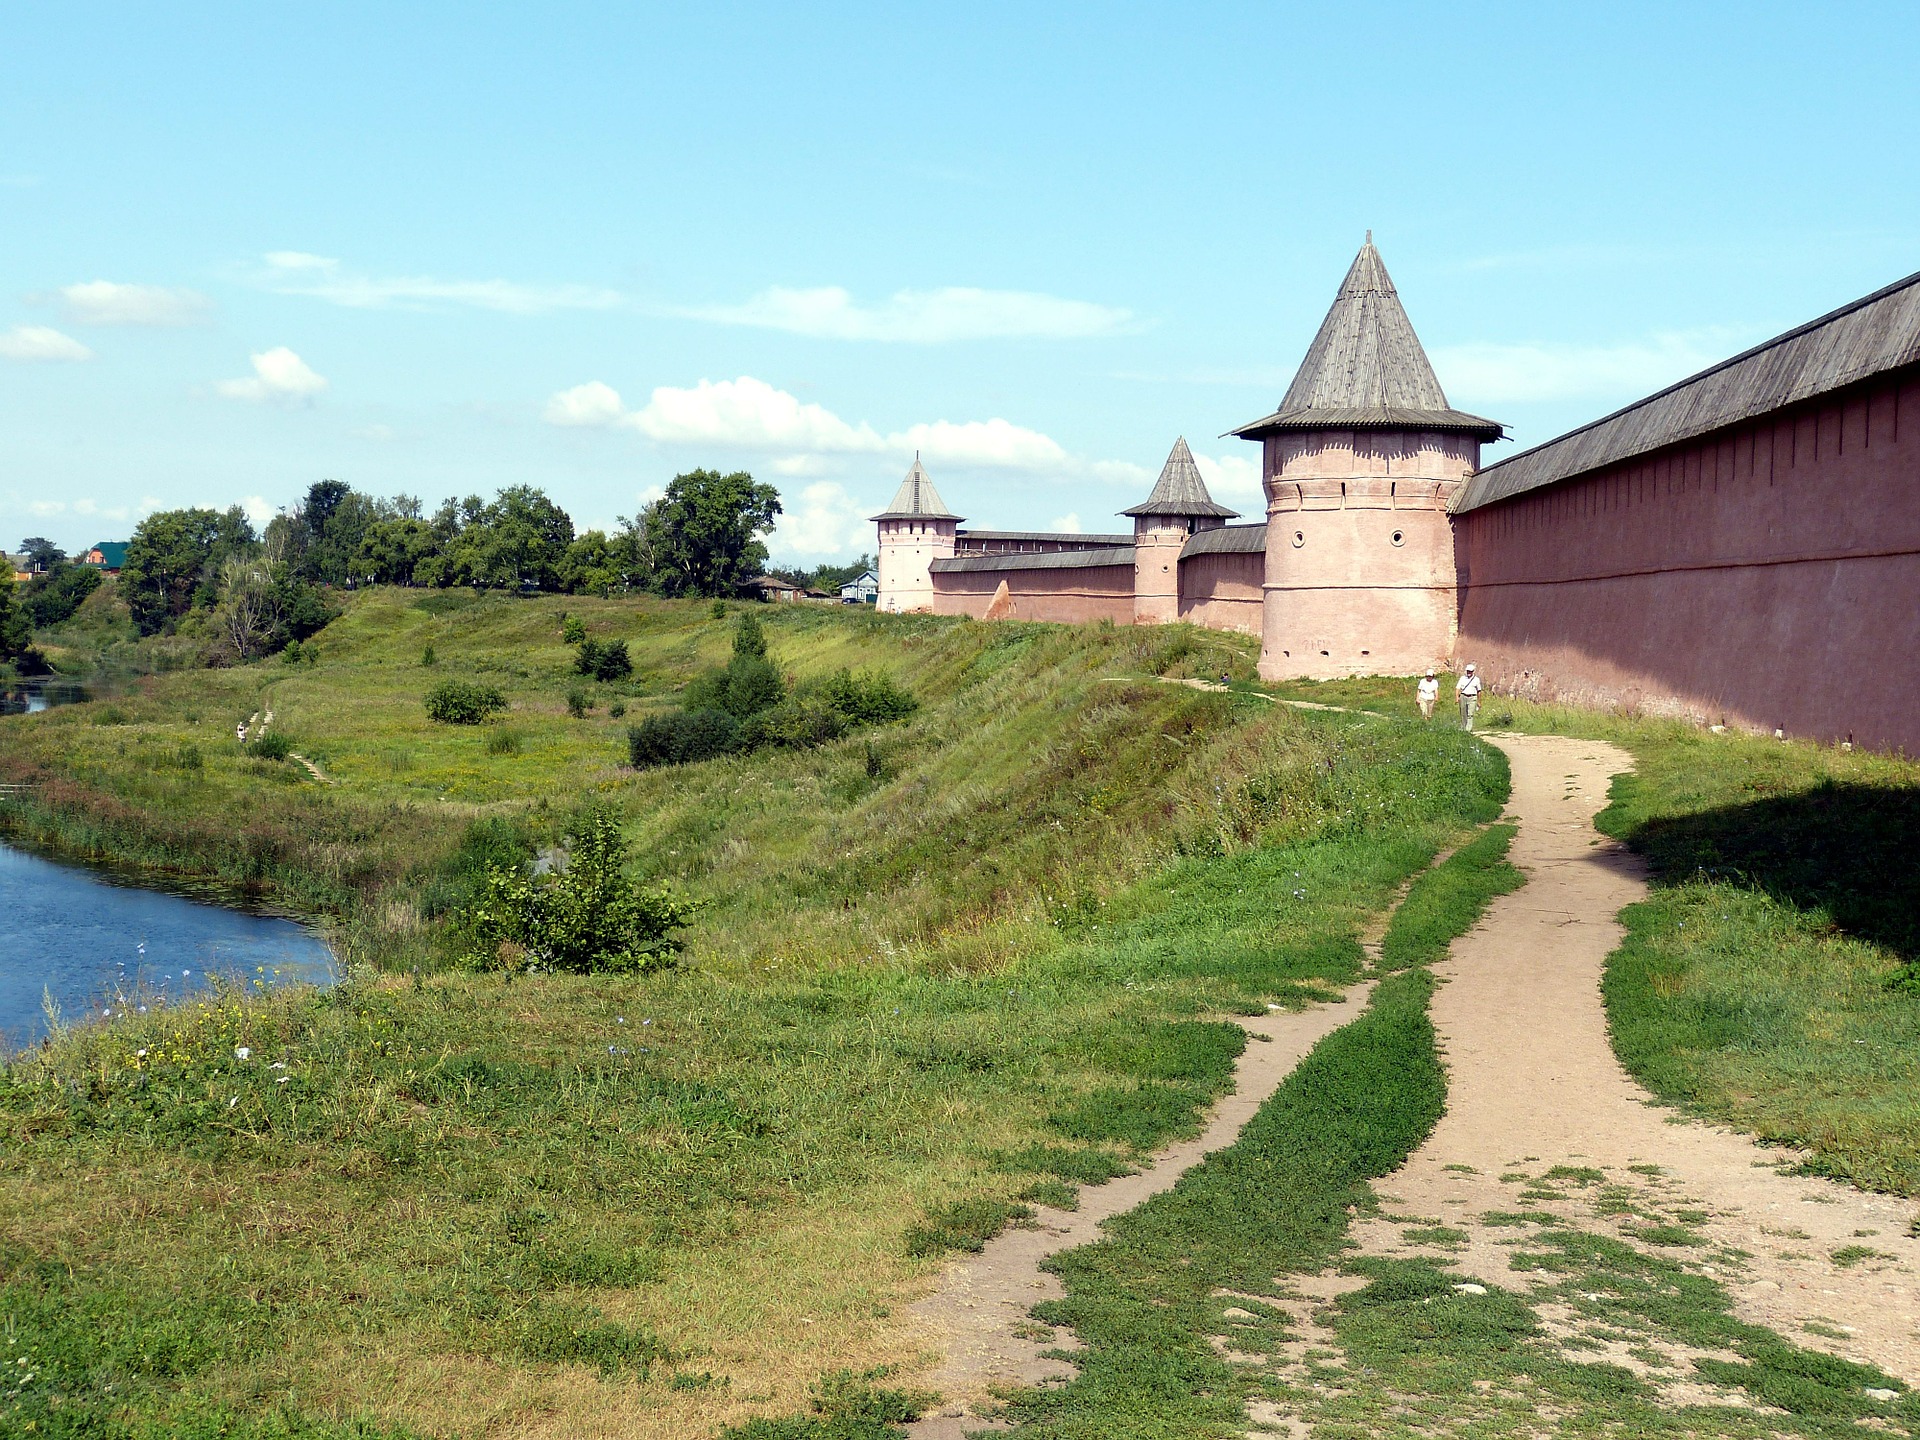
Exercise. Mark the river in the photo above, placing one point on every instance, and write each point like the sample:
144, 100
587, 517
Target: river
93, 948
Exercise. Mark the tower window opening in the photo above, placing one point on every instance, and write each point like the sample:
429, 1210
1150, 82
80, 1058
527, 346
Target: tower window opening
1299, 538
1399, 537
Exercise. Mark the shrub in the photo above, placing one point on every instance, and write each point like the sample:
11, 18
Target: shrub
578, 703
270, 746
188, 757
587, 918
460, 702
603, 659
502, 741
749, 638
617, 709
427, 658
867, 698
573, 629
718, 610
681, 737
794, 724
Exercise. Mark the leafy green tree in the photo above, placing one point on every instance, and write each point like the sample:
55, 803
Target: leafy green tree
749, 638
14, 625
172, 562
392, 550
41, 554
521, 539
705, 532
52, 596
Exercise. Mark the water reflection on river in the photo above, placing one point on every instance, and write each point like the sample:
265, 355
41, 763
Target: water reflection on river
29, 697
91, 946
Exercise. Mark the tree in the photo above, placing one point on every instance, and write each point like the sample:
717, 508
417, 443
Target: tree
391, 551
41, 553
172, 562
521, 539
53, 595
14, 629
706, 532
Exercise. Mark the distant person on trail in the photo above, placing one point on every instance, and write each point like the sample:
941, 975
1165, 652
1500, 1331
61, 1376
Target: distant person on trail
1467, 690
1428, 692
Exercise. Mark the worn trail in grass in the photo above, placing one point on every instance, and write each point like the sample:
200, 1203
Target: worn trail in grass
1544, 1128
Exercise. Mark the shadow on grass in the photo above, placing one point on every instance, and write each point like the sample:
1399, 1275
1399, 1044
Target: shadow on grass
1851, 852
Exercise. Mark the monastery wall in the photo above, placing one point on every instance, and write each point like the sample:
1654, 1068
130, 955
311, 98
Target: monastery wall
1069, 587
1763, 575
1222, 579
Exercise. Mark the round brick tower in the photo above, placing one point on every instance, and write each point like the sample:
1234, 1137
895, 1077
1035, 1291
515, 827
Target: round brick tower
1360, 463
1178, 507
915, 530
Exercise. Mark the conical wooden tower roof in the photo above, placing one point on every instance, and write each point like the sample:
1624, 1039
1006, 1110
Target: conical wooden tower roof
1366, 368
1180, 489
916, 499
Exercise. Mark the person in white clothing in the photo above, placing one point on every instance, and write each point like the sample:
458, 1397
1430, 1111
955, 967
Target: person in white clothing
1467, 690
1426, 694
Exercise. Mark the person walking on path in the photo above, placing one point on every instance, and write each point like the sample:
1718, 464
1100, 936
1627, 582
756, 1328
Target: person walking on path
1426, 694
1467, 690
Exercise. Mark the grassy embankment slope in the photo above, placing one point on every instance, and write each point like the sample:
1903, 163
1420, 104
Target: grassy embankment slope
1761, 983
943, 966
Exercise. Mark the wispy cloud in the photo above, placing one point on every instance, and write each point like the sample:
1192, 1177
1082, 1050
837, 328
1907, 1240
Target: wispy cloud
823, 519
106, 302
1234, 480
294, 272
750, 414
278, 375
91, 509
921, 317
41, 342
1491, 374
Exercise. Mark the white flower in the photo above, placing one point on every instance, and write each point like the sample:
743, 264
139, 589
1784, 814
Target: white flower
241, 1052
233, 1102
283, 1080
141, 1052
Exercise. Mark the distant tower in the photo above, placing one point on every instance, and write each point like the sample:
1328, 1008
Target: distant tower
1178, 506
915, 530
1361, 460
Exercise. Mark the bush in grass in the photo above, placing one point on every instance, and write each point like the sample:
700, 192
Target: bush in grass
603, 659
681, 737
867, 698
270, 746
749, 638
427, 657
793, 724
578, 703
572, 629
502, 741
587, 918
460, 702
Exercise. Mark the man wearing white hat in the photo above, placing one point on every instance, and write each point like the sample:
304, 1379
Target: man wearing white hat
1427, 693
1467, 690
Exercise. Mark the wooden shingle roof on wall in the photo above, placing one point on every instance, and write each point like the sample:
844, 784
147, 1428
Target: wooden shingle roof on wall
1875, 334
1056, 560
1226, 540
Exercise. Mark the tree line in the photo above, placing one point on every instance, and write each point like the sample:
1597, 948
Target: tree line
253, 592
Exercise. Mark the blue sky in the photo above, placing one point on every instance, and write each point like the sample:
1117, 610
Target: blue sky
439, 249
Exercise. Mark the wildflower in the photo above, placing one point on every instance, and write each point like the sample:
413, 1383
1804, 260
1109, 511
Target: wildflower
619, 1019
242, 1052
283, 1080
235, 1100
646, 1022
141, 1052
277, 1065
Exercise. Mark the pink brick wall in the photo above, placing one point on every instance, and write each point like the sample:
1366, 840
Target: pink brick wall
1224, 591
1071, 596
1766, 575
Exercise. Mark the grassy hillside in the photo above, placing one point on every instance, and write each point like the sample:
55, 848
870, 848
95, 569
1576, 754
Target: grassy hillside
1772, 979
943, 967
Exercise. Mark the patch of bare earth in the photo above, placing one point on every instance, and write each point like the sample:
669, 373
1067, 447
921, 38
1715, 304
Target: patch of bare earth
1542, 1120
979, 1319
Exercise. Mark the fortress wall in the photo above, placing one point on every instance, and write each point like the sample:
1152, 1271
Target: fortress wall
1070, 594
1224, 591
1765, 574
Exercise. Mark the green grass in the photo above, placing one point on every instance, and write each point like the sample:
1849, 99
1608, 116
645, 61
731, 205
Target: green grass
1767, 981
942, 969
1445, 901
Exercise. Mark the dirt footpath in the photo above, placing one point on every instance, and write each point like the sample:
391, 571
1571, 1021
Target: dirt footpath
978, 1318
1532, 1083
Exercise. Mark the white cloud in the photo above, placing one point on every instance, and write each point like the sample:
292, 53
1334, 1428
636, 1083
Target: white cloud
90, 508
823, 520
1235, 480
748, 414
46, 507
983, 442
1067, 524
258, 510
40, 342
1491, 374
278, 374
103, 302
922, 317
294, 272
593, 403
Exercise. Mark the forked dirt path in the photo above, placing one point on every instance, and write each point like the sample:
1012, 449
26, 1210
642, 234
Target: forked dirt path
979, 1318
1532, 1083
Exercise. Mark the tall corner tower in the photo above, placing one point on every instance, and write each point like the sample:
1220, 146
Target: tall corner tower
1360, 463
1178, 507
915, 530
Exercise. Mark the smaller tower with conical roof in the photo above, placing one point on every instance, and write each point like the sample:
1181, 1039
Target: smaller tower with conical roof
1178, 507
1360, 462
915, 530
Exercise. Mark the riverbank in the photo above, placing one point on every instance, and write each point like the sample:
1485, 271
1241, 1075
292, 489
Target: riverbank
945, 970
